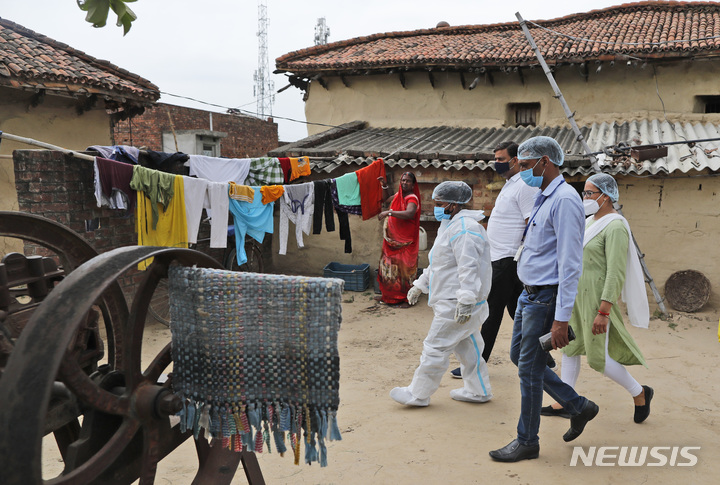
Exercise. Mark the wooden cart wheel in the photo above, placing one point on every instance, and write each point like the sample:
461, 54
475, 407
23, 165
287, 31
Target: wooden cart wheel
72, 251
126, 428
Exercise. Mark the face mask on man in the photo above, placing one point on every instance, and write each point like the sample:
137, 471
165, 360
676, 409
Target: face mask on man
502, 167
440, 213
530, 179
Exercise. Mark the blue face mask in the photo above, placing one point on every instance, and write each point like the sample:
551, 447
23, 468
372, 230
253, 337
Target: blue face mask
530, 179
440, 214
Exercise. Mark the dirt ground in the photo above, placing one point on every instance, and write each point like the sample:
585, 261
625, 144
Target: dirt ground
448, 441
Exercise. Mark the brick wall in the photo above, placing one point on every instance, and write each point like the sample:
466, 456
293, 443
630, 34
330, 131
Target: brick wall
247, 136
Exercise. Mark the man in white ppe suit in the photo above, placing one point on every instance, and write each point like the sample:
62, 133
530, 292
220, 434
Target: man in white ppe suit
458, 282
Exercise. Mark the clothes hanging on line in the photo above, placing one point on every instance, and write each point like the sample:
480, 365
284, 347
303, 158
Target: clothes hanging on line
170, 229
241, 192
348, 189
323, 205
119, 153
371, 193
344, 227
264, 171
296, 206
300, 167
348, 209
286, 168
112, 184
251, 218
271, 193
164, 160
220, 169
157, 186
217, 202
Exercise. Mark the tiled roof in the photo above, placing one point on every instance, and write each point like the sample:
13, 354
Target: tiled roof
29, 60
642, 29
471, 148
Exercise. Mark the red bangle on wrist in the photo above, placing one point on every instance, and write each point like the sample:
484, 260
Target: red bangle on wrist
603, 314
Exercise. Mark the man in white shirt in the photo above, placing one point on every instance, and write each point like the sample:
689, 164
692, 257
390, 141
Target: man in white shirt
505, 229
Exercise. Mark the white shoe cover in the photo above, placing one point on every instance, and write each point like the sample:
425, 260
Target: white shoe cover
403, 396
463, 395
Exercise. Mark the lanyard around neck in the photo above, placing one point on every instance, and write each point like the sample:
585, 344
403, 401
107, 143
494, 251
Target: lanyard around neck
527, 226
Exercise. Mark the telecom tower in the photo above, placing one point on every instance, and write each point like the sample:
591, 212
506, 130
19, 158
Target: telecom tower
264, 87
322, 32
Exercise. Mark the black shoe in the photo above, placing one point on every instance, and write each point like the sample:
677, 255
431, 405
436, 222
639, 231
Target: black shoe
642, 412
551, 411
578, 422
515, 452
550, 361
456, 373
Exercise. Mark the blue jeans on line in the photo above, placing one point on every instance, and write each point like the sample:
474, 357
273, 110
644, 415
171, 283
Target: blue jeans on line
534, 317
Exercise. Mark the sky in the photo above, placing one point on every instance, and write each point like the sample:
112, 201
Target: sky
207, 50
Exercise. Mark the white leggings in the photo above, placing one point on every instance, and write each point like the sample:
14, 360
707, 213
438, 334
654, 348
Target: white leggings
617, 372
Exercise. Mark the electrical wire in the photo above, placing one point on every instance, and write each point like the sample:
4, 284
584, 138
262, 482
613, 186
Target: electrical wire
326, 125
657, 90
421, 138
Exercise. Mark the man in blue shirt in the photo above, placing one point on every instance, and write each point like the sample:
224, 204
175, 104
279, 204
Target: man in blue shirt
549, 266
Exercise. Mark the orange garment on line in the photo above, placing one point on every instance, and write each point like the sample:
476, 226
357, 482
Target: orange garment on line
271, 193
244, 193
171, 229
371, 193
300, 167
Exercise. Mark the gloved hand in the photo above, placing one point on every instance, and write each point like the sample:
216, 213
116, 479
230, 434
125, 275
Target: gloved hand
413, 295
463, 311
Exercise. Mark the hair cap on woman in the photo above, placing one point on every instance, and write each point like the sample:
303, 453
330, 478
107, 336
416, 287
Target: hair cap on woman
606, 184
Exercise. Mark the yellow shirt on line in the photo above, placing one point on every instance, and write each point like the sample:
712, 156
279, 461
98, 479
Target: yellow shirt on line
171, 230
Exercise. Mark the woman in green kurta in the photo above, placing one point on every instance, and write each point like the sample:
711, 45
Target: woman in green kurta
596, 318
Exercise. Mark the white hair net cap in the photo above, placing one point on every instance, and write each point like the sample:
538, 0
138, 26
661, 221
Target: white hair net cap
455, 192
540, 146
606, 184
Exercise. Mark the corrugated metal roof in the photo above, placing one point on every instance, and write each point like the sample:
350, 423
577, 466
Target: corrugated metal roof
472, 148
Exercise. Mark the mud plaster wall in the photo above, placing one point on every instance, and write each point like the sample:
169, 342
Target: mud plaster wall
619, 92
54, 121
676, 222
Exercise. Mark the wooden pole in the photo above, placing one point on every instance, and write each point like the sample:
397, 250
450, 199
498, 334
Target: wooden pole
30, 141
646, 271
558, 94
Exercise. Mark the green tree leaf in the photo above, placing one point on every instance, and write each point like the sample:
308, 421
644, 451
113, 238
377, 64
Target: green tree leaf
98, 10
124, 14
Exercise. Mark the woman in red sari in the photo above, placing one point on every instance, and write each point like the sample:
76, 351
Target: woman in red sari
401, 227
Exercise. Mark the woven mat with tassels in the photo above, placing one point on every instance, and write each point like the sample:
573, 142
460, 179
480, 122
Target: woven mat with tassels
255, 358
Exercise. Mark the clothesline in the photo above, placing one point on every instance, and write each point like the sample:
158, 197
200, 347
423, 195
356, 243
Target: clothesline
41, 144
343, 194
250, 204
